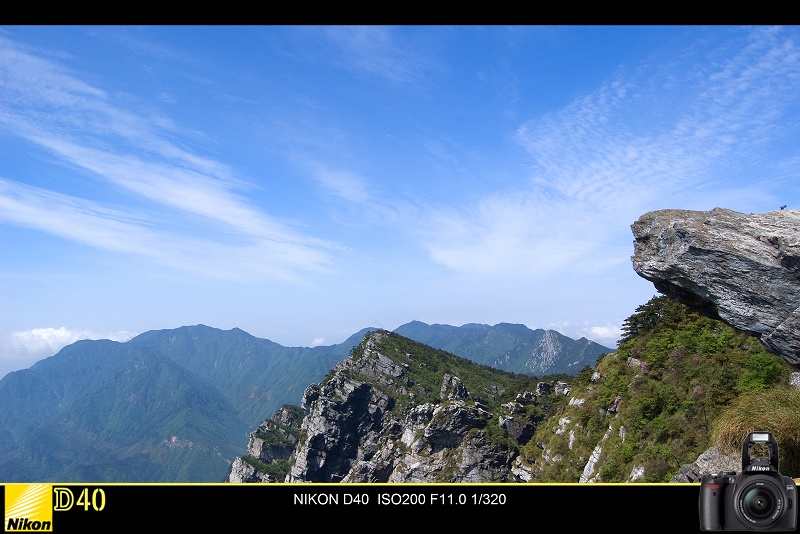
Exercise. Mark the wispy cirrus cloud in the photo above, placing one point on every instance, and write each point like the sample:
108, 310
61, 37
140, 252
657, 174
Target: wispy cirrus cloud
505, 234
379, 51
343, 184
74, 218
661, 132
655, 131
124, 148
100, 226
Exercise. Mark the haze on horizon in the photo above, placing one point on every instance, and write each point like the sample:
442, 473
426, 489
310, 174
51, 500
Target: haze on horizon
304, 182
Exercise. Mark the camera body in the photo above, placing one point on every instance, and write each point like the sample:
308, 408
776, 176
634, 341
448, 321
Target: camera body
758, 498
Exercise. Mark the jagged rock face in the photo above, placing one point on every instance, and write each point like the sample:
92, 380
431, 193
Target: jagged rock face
711, 461
275, 439
353, 435
340, 420
546, 354
241, 471
742, 269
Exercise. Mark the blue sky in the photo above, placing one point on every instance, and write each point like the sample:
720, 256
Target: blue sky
302, 183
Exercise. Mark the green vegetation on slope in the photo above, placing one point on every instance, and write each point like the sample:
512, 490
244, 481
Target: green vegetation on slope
426, 366
257, 375
656, 399
112, 411
277, 469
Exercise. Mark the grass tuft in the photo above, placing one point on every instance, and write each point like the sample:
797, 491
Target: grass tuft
775, 410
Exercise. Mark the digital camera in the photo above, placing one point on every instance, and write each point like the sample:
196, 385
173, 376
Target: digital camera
758, 498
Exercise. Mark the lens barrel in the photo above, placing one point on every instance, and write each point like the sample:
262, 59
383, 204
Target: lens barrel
759, 501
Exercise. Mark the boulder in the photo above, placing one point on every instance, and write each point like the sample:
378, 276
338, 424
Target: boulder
741, 269
711, 461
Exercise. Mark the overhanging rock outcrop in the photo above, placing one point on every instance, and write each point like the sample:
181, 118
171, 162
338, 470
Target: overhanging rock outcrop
741, 269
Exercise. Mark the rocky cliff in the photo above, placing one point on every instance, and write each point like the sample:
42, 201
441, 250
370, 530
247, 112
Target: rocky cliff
742, 269
401, 411
270, 449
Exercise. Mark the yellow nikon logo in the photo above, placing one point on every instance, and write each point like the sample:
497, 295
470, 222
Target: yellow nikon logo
29, 508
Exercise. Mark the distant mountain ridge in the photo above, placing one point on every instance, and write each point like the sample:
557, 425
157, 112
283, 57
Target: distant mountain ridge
103, 410
253, 372
177, 405
510, 347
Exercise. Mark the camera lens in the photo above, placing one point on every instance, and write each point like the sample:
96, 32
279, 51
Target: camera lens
758, 502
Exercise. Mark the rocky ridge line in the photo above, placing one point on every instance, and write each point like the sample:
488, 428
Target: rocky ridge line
365, 424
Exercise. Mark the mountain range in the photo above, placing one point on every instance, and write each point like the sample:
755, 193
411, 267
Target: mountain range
679, 391
510, 347
177, 405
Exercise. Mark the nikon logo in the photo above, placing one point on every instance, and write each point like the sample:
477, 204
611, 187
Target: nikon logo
29, 508
23, 524
759, 468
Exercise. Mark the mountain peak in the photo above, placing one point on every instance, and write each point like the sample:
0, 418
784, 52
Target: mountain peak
509, 346
397, 410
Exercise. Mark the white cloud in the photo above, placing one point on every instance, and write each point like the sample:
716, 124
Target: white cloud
23, 348
72, 218
626, 148
605, 335
517, 234
191, 195
343, 184
378, 51
99, 226
50, 340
